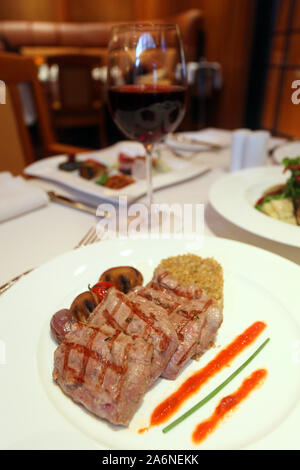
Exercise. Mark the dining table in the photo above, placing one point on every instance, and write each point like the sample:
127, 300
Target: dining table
34, 238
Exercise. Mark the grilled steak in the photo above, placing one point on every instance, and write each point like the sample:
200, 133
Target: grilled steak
108, 364
105, 370
195, 316
137, 316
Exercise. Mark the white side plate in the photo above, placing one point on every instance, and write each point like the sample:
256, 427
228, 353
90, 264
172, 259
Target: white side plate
235, 195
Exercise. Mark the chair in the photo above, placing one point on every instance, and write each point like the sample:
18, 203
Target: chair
76, 98
16, 70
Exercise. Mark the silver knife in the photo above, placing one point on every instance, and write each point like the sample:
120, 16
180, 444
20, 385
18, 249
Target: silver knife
54, 197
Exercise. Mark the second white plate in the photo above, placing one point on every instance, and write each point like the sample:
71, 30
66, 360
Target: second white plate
235, 195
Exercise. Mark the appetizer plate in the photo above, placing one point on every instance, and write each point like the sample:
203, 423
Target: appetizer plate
235, 195
180, 170
259, 286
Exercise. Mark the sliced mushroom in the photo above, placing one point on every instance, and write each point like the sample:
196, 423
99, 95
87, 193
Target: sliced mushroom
123, 277
83, 305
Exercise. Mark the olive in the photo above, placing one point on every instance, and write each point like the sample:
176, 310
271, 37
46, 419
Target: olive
123, 277
83, 305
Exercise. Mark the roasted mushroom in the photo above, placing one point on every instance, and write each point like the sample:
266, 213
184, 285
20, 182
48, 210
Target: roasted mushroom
83, 305
123, 277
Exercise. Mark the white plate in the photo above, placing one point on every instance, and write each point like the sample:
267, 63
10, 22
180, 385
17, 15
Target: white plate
291, 150
180, 170
35, 414
234, 196
214, 136
211, 135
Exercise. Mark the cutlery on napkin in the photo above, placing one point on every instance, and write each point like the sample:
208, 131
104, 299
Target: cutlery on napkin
18, 197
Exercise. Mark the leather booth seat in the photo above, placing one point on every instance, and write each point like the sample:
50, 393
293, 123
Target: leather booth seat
42, 36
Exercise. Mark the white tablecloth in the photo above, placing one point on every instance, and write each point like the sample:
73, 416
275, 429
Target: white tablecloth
34, 238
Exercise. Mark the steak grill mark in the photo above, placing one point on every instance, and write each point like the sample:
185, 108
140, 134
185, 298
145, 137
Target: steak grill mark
89, 353
164, 342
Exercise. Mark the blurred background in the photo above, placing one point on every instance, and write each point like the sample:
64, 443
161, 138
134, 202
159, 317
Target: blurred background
242, 58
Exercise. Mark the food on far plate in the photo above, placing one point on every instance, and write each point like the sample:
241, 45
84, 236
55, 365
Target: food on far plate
139, 168
126, 162
108, 361
282, 202
71, 164
136, 166
123, 277
126, 171
119, 181
92, 169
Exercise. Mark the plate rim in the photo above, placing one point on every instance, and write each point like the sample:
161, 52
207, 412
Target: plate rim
279, 149
226, 212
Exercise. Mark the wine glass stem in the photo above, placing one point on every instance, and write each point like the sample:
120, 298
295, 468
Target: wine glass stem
149, 176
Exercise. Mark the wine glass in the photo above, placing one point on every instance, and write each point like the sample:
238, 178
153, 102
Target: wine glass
146, 84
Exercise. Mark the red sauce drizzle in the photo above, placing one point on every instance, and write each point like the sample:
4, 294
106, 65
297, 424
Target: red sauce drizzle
142, 430
227, 404
192, 385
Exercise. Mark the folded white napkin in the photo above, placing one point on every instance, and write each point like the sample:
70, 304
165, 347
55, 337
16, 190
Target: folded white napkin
17, 196
239, 139
256, 149
249, 149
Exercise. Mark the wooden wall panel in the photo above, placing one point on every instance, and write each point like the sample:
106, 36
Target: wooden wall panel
38, 10
271, 92
228, 30
296, 16
279, 114
283, 15
289, 113
277, 48
293, 56
228, 26
101, 10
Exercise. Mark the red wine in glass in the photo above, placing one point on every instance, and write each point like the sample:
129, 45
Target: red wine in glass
147, 112
146, 83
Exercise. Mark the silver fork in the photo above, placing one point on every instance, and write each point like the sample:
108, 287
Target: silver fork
89, 238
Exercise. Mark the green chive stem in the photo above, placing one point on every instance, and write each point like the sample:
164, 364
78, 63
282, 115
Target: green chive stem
215, 391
